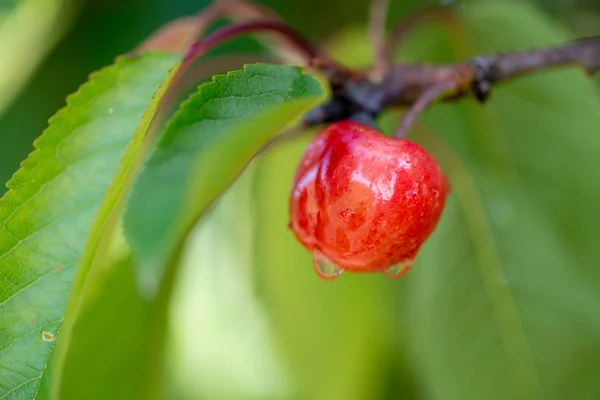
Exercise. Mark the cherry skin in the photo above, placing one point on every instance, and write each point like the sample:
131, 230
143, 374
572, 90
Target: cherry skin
365, 202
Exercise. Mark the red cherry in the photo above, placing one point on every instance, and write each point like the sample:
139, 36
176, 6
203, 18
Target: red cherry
363, 202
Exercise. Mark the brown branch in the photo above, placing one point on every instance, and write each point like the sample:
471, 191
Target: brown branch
405, 84
584, 52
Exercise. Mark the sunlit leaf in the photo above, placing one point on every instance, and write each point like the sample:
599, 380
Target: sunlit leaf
205, 146
48, 211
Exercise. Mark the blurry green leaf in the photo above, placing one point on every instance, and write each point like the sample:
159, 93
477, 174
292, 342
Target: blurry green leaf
205, 145
503, 297
351, 46
28, 30
215, 288
47, 213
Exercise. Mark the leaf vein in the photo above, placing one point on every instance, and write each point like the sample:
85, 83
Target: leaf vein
42, 228
47, 274
19, 386
49, 181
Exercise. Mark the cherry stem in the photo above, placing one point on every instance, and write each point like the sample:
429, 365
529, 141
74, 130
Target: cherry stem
426, 100
377, 22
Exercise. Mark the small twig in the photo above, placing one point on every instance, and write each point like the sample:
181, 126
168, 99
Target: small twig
377, 22
427, 99
219, 36
248, 11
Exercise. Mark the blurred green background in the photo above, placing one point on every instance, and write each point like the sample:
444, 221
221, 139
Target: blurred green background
503, 300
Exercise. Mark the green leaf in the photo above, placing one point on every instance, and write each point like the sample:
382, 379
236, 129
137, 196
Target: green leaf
503, 297
207, 143
28, 30
101, 234
48, 211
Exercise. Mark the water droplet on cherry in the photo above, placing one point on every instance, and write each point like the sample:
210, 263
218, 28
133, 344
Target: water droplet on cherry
347, 215
398, 270
324, 267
